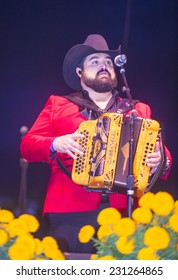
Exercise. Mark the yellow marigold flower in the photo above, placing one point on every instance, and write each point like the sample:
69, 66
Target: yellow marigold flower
146, 200
108, 216
142, 215
94, 257
28, 242
176, 207
147, 254
86, 233
103, 231
19, 252
106, 258
49, 242
38, 246
163, 203
31, 222
125, 246
125, 227
3, 237
157, 238
17, 227
55, 254
6, 216
4, 225
173, 222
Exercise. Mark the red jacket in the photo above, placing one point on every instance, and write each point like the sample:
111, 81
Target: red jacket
60, 117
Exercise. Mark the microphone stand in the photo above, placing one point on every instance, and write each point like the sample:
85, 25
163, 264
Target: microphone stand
130, 176
23, 180
23, 186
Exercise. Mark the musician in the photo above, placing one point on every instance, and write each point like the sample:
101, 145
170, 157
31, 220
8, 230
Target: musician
88, 69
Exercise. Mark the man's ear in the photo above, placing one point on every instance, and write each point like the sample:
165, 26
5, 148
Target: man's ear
79, 71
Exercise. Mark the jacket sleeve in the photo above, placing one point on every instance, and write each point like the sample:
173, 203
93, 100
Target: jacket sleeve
35, 145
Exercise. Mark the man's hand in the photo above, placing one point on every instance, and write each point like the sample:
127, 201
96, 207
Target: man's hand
154, 159
67, 144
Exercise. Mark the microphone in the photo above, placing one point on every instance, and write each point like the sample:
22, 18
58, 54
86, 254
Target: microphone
134, 113
120, 60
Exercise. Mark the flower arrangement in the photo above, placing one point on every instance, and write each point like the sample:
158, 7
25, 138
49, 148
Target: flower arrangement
17, 241
151, 233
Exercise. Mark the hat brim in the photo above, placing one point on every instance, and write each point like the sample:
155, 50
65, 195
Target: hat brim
73, 59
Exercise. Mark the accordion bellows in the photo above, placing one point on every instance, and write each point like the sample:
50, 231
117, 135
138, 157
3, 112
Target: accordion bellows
105, 163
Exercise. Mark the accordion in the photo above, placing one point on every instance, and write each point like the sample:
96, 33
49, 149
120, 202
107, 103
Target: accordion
105, 162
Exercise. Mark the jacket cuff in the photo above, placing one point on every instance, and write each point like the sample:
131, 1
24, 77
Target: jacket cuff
166, 168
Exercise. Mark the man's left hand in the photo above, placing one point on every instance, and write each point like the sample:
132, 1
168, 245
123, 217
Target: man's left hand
154, 159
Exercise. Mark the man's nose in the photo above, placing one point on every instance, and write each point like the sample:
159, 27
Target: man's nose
103, 66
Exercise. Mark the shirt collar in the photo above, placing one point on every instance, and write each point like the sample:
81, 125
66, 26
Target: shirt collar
115, 94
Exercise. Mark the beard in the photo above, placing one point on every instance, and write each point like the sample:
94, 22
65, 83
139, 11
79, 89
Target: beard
100, 85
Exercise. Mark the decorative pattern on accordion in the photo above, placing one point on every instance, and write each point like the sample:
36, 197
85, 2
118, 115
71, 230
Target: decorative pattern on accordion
104, 165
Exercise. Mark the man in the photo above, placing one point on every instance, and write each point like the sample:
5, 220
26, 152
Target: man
88, 69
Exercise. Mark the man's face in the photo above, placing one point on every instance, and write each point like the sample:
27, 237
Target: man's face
98, 73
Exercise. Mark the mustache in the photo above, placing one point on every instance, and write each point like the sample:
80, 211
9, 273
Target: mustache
103, 70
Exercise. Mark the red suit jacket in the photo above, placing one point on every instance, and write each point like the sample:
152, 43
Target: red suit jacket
60, 117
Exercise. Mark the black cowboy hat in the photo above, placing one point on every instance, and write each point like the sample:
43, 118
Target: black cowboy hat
94, 43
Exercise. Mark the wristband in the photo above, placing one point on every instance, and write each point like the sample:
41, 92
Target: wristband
52, 147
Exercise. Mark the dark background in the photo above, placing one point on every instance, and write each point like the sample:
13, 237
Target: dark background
36, 35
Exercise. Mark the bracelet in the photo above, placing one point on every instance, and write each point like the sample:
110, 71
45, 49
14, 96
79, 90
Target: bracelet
52, 147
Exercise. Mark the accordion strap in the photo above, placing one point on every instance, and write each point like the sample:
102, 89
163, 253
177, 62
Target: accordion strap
64, 168
78, 98
81, 101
